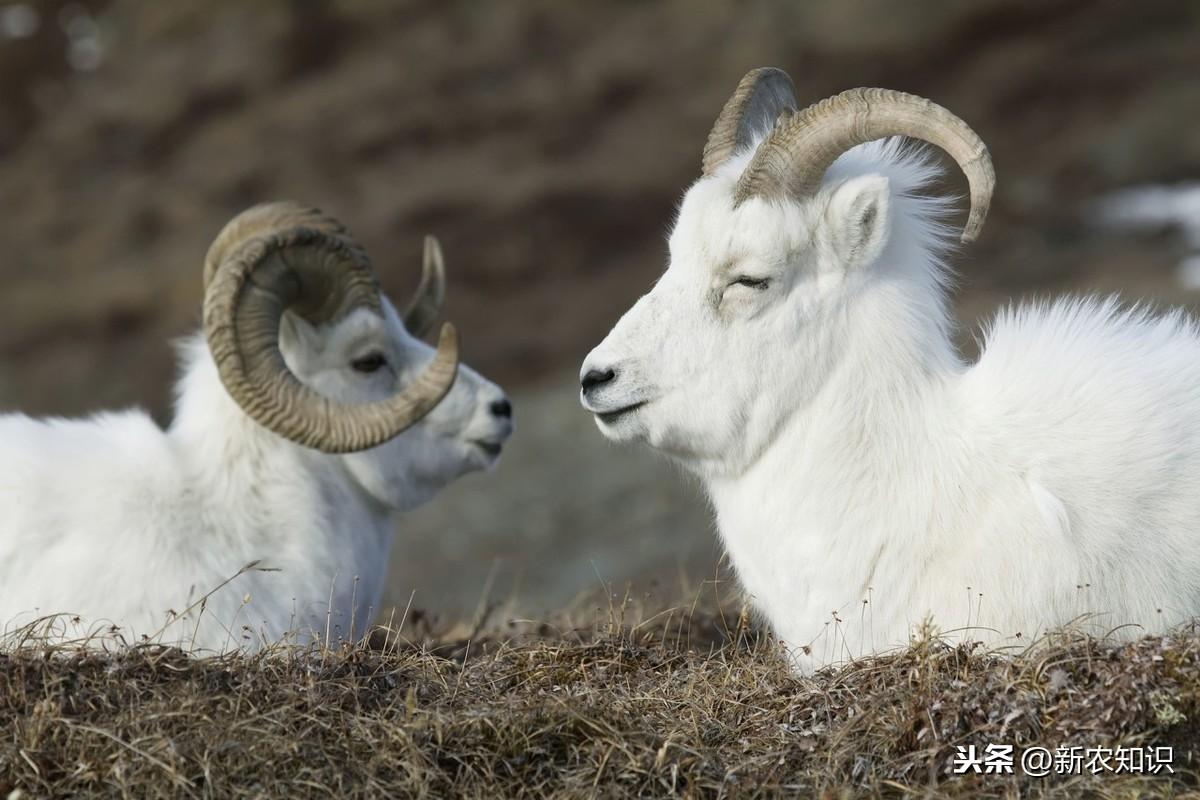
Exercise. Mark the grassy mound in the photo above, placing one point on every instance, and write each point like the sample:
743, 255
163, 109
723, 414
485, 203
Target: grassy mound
683, 703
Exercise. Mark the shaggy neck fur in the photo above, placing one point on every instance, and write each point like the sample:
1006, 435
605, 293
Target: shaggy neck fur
856, 456
879, 468
257, 490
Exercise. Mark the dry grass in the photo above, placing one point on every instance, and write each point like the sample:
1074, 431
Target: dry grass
682, 703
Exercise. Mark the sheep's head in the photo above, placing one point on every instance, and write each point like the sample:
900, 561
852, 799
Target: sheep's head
768, 247
308, 346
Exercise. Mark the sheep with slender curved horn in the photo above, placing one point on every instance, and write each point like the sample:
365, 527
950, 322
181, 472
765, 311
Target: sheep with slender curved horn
797, 356
795, 156
305, 420
750, 112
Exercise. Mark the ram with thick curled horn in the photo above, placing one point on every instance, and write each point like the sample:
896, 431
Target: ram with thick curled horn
308, 413
278, 258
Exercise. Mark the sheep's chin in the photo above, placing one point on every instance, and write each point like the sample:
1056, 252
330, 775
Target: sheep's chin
481, 455
625, 425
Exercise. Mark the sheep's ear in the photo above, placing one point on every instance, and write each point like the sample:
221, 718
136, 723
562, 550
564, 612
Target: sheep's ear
858, 220
296, 332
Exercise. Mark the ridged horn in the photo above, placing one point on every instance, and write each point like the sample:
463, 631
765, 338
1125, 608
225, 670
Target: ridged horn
792, 160
761, 96
282, 257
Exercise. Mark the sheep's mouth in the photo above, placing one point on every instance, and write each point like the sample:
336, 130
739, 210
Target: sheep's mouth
612, 417
491, 448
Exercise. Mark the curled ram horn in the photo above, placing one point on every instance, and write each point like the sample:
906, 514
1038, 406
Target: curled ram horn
283, 257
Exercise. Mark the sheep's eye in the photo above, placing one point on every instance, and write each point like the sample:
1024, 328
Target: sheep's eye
753, 283
369, 363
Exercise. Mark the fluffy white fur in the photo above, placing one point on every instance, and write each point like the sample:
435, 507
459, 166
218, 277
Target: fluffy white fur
864, 476
115, 522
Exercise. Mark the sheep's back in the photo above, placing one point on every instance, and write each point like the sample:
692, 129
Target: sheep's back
1097, 407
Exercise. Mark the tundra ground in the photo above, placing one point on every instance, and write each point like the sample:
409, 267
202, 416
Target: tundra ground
685, 702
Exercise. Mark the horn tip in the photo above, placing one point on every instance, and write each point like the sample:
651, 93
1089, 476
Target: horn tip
448, 339
974, 226
434, 260
971, 231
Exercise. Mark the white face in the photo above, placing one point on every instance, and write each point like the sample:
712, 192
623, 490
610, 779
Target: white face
736, 334
365, 358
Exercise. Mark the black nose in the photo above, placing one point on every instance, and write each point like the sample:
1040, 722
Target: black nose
595, 377
501, 408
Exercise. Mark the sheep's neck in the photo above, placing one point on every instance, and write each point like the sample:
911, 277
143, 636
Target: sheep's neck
261, 477
261, 498
853, 475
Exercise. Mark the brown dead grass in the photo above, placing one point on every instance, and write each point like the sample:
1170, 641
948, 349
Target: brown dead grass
688, 703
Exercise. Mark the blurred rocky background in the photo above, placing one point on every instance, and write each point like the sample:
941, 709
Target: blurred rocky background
546, 143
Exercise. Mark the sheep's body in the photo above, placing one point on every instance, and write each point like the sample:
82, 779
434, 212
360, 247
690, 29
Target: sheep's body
863, 476
118, 521
1057, 477
306, 415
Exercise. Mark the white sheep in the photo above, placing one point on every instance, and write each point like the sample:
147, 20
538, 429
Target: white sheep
797, 356
306, 415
